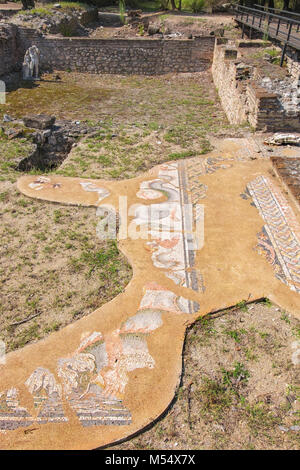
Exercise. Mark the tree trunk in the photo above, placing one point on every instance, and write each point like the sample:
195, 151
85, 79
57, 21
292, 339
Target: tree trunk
173, 5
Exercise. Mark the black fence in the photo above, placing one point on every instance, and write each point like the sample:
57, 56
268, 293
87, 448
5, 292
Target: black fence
284, 29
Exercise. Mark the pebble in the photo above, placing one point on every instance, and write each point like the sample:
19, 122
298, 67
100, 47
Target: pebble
7, 118
283, 428
287, 92
295, 428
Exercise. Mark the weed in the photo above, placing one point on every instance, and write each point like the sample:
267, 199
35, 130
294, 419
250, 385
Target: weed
259, 417
267, 302
239, 374
214, 398
235, 334
285, 318
242, 305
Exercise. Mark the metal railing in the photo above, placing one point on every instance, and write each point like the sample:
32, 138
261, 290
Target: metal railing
284, 29
278, 11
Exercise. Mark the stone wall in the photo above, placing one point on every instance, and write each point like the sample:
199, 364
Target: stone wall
10, 52
265, 111
293, 63
226, 78
241, 96
121, 56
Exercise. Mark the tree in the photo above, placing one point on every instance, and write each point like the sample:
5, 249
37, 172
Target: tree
27, 4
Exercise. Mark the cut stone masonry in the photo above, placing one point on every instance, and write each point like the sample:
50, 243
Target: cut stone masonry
270, 105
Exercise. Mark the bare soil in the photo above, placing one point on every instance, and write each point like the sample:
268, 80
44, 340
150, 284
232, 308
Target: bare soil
170, 23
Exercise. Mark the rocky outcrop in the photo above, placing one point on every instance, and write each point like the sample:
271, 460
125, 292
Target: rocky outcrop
67, 22
53, 140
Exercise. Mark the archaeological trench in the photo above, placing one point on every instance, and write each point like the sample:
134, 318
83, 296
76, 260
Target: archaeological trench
203, 233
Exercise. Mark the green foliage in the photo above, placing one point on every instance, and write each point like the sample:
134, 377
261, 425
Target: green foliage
260, 418
196, 6
49, 9
122, 8
242, 305
267, 302
141, 29
238, 375
235, 334
67, 29
105, 262
178, 155
164, 4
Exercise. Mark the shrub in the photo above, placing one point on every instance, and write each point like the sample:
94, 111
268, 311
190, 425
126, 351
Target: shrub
195, 5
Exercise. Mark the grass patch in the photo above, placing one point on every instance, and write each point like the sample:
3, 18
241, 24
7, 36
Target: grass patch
214, 397
50, 9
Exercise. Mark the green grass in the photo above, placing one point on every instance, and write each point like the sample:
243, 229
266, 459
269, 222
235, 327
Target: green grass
215, 399
96, 260
142, 107
242, 305
50, 9
237, 375
235, 334
260, 418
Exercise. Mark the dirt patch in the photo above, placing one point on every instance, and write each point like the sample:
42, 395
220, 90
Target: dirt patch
240, 386
266, 59
170, 23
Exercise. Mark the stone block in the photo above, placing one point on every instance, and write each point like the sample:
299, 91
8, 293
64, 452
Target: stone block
39, 121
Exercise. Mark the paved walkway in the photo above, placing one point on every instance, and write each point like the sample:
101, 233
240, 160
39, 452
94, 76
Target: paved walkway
223, 229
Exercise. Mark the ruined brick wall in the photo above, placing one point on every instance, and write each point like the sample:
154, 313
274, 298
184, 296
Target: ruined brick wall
10, 53
293, 63
226, 79
266, 112
121, 56
242, 98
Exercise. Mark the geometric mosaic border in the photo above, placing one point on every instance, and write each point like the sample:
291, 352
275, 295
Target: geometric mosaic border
281, 231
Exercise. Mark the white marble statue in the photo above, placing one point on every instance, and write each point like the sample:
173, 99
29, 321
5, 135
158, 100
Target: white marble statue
31, 64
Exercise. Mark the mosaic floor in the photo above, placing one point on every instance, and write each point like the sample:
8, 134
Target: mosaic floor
201, 234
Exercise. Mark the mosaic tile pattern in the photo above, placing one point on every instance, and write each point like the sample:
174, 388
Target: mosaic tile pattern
280, 238
92, 380
12, 415
47, 396
43, 181
92, 187
172, 242
92, 385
